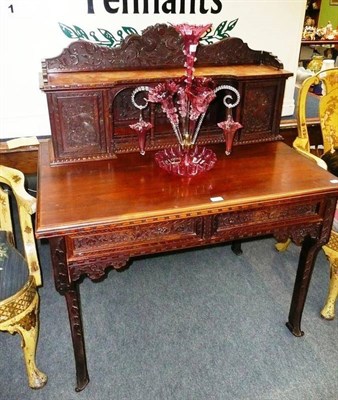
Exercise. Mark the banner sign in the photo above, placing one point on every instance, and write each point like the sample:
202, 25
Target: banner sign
157, 6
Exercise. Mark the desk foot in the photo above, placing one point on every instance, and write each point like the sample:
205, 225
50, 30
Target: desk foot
295, 331
236, 247
81, 384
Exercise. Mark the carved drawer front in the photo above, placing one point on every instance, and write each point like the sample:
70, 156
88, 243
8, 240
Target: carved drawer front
78, 124
264, 220
137, 239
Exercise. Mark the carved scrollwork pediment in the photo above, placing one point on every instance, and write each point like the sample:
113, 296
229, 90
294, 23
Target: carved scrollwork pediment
159, 46
233, 51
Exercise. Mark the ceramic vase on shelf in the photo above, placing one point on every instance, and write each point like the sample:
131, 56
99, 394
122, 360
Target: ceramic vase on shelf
315, 64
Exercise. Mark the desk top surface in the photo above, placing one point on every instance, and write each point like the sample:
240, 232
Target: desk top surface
111, 78
133, 187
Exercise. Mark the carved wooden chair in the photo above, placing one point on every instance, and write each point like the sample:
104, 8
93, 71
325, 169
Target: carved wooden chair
19, 275
328, 115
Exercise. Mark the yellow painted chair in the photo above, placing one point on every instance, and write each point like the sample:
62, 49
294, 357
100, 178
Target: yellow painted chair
328, 115
19, 275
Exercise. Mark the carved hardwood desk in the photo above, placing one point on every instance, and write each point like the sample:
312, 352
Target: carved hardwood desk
100, 203
104, 213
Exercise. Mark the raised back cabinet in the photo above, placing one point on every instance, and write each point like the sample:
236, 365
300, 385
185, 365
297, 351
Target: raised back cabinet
89, 88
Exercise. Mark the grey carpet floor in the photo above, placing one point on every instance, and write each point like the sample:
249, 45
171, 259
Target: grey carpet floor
195, 325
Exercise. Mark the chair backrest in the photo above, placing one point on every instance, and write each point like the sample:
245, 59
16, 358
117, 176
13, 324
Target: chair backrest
26, 206
328, 110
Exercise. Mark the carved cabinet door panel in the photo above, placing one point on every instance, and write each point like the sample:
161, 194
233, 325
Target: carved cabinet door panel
261, 109
79, 124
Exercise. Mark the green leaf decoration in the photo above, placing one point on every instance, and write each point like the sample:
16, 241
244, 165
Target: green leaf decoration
81, 34
129, 30
232, 24
68, 31
207, 40
220, 31
93, 35
111, 39
76, 32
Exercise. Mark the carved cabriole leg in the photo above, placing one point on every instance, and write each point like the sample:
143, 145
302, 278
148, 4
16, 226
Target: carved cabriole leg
27, 325
312, 243
71, 291
328, 312
28, 328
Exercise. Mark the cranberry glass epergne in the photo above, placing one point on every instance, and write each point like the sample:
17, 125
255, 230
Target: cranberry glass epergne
185, 101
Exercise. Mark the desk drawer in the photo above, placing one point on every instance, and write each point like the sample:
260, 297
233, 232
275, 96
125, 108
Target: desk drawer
266, 218
136, 239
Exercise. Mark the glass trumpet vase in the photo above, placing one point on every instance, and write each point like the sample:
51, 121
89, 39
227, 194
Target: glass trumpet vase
141, 128
229, 127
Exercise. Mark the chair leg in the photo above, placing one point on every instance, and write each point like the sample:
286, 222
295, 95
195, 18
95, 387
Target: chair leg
28, 328
328, 312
